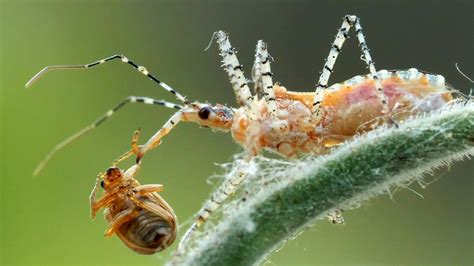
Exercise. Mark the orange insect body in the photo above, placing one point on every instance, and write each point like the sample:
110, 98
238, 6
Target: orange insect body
348, 108
136, 213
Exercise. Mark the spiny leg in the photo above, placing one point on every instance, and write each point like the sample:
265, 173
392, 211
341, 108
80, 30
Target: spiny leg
120, 219
123, 58
145, 189
234, 69
97, 204
342, 34
92, 196
134, 150
263, 75
216, 200
131, 99
154, 208
155, 140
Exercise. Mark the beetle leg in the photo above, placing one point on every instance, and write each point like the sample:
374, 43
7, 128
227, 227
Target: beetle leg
97, 204
119, 220
154, 208
145, 189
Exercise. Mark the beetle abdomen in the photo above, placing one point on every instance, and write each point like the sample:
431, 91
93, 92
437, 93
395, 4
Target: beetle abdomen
147, 233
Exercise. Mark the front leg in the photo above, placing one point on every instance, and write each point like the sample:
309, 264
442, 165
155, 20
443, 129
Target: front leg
156, 139
97, 204
120, 219
145, 189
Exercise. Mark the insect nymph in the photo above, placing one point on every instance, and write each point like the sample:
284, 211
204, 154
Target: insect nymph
291, 123
140, 217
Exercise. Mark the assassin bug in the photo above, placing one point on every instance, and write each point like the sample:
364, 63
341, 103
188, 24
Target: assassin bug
140, 217
291, 123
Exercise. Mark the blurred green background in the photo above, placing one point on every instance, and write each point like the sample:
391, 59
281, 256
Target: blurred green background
45, 219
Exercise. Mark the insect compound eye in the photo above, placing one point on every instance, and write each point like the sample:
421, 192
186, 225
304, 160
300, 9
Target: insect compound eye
102, 183
204, 112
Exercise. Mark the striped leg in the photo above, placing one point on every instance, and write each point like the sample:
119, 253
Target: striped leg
131, 99
234, 69
123, 58
217, 198
342, 34
263, 75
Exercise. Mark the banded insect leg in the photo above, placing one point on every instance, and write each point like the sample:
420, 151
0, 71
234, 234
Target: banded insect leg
234, 69
155, 140
99, 121
262, 75
217, 198
342, 35
123, 59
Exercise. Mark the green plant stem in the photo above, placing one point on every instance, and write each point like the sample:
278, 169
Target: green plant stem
356, 171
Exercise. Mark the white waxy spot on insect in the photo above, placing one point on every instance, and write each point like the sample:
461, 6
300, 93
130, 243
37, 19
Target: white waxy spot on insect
110, 112
440, 81
383, 74
402, 74
133, 99
148, 101
412, 73
102, 61
355, 80
335, 86
143, 70
124, 59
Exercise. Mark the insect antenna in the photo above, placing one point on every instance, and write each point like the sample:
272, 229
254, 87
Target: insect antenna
462, 73
100, 120
124, 59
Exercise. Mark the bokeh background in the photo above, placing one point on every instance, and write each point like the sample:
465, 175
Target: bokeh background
45, 219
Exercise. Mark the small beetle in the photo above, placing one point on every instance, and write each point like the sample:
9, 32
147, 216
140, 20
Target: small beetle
142, 219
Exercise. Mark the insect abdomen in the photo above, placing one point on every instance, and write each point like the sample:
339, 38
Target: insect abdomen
147, 233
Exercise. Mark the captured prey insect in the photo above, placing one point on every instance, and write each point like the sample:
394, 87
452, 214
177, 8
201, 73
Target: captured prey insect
291, 123
140, 217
